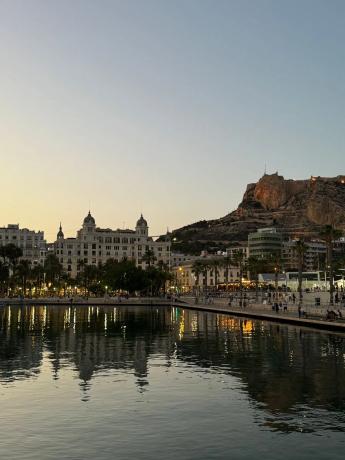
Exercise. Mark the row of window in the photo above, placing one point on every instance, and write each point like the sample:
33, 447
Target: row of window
88, 262
93, 246
28, 238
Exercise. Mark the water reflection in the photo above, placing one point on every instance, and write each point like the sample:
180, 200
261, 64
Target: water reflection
294, 378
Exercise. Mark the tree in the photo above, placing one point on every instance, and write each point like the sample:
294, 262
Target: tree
226, 263
197, 269
149, 257
10, 254
300, 249
22, 273
329, 234
65, 279
256, 266
156, 280
214, 265
37, 276
124, 276
88, 275
239, 261
276, 265
205, 268
166, 273
52, 269
4, 276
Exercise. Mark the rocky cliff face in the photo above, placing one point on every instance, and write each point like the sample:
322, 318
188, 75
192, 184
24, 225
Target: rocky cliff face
294, 206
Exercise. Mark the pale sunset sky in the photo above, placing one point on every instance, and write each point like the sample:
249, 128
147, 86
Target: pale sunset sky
165, 107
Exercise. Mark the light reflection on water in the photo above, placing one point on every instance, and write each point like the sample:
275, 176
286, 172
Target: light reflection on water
89, 382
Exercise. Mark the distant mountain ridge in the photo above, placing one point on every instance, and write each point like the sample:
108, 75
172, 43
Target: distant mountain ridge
295, 207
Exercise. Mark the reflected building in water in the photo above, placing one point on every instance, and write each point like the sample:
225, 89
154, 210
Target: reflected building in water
279, 367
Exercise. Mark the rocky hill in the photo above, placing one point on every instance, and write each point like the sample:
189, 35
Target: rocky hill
295, 207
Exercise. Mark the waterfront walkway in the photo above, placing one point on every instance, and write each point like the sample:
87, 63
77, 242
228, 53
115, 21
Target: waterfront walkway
314, 317
93, 301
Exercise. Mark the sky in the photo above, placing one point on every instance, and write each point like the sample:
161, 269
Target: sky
165, 107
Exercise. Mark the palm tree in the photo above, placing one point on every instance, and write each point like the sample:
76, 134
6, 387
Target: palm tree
227, 264
329, 234
89, 274
239, 261
4, 276
205, 268
276, 263
197, 269
149, 257
66, 280
37, 276
165, 274
215, 264
53, 269
22, 272
255, 266
10, 254
300, 249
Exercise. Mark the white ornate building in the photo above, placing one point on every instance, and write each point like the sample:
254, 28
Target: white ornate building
94, 245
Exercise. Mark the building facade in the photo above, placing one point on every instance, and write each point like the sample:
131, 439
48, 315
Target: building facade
32, 243
264, 242
186, 279
94, 246
314, 257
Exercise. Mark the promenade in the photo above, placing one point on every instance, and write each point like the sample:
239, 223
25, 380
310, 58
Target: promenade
314, 317
94, 301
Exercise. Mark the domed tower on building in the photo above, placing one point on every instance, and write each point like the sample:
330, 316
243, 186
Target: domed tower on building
60, 235
89, 223
142, 228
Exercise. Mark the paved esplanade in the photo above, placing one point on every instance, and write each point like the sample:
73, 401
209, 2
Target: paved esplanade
310, 316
